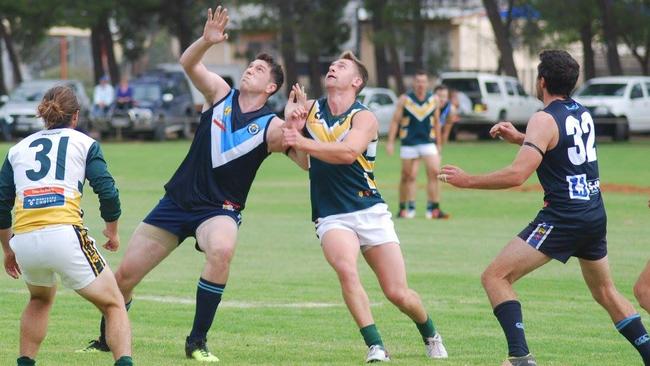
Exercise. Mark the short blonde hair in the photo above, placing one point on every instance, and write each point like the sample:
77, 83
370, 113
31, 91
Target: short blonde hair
361, 68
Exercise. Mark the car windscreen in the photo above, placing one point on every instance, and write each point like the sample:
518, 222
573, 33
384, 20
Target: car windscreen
29, 92
146, 92
468, 86
598, 90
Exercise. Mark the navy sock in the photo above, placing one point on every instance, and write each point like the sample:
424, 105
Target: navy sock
509, 315
633, 330
432, 205
208, 297
102, 324
25, 361
411, 205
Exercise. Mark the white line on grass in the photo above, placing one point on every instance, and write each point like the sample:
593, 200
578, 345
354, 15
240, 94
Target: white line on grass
229, 304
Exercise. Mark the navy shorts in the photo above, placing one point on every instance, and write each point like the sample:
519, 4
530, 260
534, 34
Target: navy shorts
562, 243
168, 216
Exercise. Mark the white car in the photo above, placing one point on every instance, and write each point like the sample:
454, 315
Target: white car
382, 103
619, 104
494, 98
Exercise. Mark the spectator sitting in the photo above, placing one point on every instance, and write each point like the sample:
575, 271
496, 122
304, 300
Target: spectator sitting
124, 96
103, 97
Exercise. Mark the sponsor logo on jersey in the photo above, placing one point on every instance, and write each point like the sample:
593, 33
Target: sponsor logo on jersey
227, 110
230, 206
43, 197
253, 128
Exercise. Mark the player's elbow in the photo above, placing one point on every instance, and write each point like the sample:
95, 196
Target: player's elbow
349, 157
518, 178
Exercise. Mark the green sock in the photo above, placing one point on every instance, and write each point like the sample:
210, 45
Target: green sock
25, 361
427, 329
371, 335
124, 361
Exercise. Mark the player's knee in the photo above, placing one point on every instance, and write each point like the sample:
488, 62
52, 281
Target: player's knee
407, 178
397, 296
219, 253
346, 272
642, 294
41, 301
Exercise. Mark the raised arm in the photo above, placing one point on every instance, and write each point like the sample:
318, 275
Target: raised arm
541, 135
364, 129
211, 85
394, 124
295, 113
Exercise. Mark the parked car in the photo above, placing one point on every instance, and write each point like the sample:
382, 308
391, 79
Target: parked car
382, 103
18, 114
619, 104
162, 104
494, 98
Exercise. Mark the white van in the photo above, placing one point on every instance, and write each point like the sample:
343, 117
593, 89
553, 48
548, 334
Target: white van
621, 104
494, 98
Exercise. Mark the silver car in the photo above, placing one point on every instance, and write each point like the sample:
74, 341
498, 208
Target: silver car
18, 114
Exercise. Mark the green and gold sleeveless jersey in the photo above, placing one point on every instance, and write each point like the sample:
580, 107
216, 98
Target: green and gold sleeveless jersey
339, 188
416, 127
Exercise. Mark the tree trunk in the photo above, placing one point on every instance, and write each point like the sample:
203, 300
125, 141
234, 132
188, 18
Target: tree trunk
610, 34
13, 56
586, 37
315, 87
96, 49
184, 31
376, 7
501, 35
288, 44
396, 68
418, 36
3, 85
113, 68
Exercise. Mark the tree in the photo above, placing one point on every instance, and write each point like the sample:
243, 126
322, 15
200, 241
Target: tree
610, 33
376, 10
568, 21
320, 33
635, 31
502, 35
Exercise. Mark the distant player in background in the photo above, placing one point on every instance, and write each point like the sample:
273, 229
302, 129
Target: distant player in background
43, 176
447, 111
206, 195
417, 119
347, 209
560, 144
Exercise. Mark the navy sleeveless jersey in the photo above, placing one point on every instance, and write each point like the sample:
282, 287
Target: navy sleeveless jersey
339, 188
569, 172
228, 148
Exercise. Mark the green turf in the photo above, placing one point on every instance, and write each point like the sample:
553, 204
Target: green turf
270, 313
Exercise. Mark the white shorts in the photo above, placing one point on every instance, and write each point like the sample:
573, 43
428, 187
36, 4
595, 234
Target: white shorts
418, 151
373, 225
63, 249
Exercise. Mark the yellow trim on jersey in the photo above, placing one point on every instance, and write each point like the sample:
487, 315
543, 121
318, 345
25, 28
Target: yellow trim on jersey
27, 220
319, 129
420, 111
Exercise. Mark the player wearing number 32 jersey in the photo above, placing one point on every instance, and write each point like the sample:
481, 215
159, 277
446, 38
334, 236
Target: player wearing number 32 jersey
560, 144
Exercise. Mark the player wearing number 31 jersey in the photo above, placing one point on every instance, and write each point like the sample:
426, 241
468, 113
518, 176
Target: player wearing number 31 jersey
42, 179
560, 144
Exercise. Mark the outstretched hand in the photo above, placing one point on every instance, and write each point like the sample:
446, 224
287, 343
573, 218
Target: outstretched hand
454, 176
215, 26
506, 131
295, 111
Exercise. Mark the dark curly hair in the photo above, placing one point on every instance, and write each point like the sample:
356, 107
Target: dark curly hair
559, 70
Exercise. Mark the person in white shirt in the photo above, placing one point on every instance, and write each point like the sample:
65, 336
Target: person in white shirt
103, 98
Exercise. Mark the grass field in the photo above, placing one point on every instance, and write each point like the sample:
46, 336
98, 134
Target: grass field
282, 305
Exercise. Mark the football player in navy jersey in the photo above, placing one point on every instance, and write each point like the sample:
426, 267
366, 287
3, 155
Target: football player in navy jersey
206, 195
560, 144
